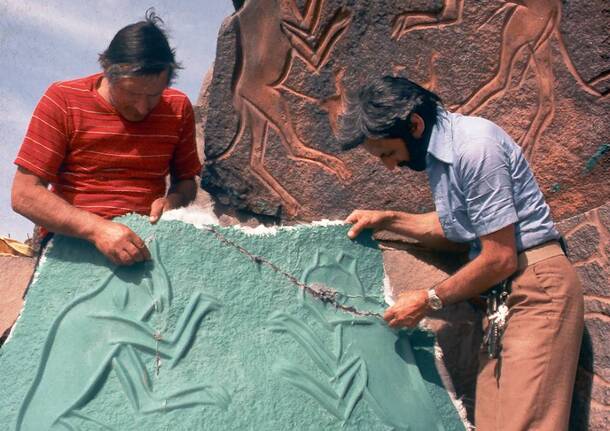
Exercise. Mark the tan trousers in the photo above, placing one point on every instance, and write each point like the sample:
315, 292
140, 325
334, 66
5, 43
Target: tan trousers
529, 387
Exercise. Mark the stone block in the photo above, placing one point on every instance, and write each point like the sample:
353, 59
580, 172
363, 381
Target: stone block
282, 69
584, 242
225, 329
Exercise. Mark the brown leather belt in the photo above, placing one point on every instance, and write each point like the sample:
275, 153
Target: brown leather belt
539, 253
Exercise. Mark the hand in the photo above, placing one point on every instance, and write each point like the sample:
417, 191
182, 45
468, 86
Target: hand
166, 203
367, 219
408, 310
119, 243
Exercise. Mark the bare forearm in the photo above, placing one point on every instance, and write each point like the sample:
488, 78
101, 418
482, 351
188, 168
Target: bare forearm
32, 199
473, 279
185, 190
53, 213
497, 261
426, 228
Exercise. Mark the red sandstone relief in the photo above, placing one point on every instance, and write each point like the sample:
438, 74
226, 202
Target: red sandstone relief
528, 28
268, 140
450, 14
588, 238
268, 46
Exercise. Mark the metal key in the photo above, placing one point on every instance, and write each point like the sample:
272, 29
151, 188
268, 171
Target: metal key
497, 312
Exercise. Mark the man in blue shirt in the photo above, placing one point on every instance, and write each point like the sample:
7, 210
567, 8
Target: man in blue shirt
488, 202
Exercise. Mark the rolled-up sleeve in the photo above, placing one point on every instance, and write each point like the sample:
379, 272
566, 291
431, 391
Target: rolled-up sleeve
483, 170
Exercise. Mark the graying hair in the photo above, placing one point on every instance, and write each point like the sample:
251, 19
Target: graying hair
381, 109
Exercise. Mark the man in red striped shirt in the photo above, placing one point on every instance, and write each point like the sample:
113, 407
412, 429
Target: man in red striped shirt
105, 144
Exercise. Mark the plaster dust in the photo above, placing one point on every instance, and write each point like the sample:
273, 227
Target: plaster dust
207, 338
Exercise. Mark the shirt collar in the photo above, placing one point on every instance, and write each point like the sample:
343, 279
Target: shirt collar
441, 138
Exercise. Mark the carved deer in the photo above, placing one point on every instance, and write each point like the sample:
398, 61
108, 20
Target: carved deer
102, 330
267, 45
528, 29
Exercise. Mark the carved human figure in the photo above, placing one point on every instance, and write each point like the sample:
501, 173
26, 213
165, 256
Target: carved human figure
528, 29
450, 14
286, 32
111, 323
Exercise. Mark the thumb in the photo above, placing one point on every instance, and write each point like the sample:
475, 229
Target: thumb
156, 209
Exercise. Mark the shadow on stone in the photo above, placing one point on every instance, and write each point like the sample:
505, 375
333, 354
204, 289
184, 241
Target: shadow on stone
581, 399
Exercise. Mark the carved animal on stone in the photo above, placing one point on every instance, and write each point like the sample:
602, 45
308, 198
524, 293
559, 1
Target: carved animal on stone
353, 369
102, 330
528, 29
450, 14
267, 45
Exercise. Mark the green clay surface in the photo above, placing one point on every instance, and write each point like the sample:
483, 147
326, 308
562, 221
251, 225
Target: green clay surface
206, 337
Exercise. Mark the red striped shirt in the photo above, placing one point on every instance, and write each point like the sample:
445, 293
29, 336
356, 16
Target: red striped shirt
100, 162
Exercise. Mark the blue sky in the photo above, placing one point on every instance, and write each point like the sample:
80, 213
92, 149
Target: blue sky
42, 41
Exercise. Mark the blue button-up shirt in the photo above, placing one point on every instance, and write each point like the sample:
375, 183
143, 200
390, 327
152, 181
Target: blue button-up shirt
482, 183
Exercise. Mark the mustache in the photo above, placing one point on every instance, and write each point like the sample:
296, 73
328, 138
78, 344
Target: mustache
417, 149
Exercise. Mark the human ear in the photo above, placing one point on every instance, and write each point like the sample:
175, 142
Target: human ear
417, 126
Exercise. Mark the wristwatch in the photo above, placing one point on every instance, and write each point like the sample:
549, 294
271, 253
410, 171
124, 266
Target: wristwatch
434, 301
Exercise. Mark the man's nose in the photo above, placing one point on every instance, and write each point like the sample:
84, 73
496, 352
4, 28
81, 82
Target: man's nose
143, 106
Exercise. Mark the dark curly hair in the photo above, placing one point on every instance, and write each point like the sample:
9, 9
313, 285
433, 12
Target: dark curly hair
381, 109
140, 49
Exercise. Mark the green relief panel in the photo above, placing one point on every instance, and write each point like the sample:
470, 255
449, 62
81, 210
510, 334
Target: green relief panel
221, 331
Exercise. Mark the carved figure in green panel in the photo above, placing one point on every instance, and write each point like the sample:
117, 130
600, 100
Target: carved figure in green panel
367, 361
109, 325
222, 330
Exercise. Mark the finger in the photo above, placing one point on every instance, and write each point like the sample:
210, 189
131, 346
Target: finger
113, 258
389, 314
353, 217
357, 228
136, 253
156, 209
122, 257
140, 245
394, 323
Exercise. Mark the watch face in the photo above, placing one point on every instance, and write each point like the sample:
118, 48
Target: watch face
434, 301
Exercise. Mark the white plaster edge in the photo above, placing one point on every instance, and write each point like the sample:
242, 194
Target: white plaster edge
193, 215
273, 230
200, 217
387, 288
41, 261
447, 381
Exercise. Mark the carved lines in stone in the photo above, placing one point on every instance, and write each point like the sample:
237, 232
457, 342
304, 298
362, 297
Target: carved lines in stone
258, 89
450, 14
105, 329
346, 375
528, 28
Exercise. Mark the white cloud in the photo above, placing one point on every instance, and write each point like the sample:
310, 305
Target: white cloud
83, 28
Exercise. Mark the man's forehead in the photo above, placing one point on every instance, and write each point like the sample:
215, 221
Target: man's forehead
143, 84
